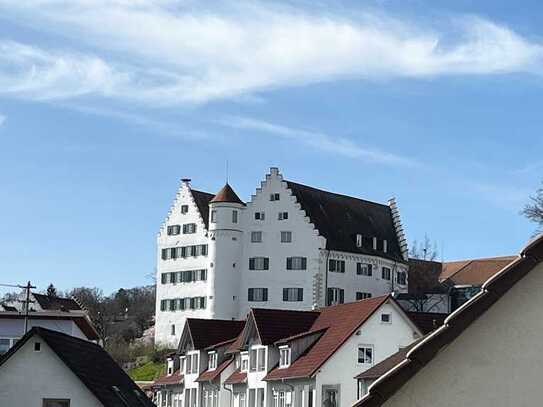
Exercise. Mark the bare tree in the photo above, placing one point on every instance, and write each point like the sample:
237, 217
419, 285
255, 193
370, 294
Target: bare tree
425, 250
534, 210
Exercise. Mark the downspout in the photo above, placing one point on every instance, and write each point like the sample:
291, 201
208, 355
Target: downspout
326, 279
231, 393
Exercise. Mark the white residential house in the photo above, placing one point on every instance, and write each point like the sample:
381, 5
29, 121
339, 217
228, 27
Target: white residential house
290, 246
47, 368
487, 354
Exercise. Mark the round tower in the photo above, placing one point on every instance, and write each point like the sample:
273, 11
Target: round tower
225, 246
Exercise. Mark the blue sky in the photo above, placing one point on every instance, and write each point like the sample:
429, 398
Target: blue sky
105, 105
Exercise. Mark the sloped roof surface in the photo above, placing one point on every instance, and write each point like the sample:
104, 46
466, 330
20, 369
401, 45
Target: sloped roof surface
52, 303
339, 322
164, 380
385, 365
227, 194
236, 378
202, 202
424, 277
274, 324
208, 332
93, 366
423, 352
427, 321
339, 218
210, 375
473, 272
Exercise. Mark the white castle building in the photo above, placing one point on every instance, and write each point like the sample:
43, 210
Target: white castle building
290, 247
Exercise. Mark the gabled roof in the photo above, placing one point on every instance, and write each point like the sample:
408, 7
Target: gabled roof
226, 194
475, 271
202, 202
275, 324
423, 352
339, 322
339, 218
92, 365
52, 303
174, 379
210, 375
208, 332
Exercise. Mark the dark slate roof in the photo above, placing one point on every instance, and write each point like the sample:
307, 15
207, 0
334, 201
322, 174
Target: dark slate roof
237, 377
339, 218
202, 202
424, 277
51, 303
275, 324
209, 332
92, 365
227, 194
427, 321
424, 352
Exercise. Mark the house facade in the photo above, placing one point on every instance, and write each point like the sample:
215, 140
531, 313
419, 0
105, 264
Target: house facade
488, 353
290, 247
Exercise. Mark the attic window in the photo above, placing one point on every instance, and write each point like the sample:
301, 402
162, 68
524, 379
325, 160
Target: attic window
184, 208
274, 197
37, 346
358, 240
386, 318
284, 356
212, 361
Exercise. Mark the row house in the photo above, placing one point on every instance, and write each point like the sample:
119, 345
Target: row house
290, 358
290, 246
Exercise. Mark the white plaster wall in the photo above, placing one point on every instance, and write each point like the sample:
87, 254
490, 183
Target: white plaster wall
28, 377
305, 243
14, 328
343, 366
495, 362
164, 319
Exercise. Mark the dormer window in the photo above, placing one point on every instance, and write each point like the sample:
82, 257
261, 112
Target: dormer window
385, 246
358, 240
284, 356
244, 362
212, 361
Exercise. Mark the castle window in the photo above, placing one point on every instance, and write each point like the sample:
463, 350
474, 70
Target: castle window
259, 216
364, 269
213, 216
385, 273
296, 263
335, 296
257, 294
336, 266
358, 240
286, 237
234, 216
401, 278
189, 228
282, 216
256, 237
293, 294
184, 209
362, 296
259, 263
174, 229
274, 197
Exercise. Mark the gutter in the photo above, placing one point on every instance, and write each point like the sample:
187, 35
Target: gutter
229, 391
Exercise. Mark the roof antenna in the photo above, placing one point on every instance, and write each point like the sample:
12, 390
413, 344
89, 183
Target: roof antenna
227, 171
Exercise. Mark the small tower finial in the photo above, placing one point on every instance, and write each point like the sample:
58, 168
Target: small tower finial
227, 171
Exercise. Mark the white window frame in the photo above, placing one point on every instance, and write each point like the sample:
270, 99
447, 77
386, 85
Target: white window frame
388, 316
284, 356
213, 360
365, 360
286, 236
256, 236
213, 216
244, 360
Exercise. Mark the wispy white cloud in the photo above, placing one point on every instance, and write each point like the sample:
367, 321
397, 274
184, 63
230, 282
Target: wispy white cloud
193, 52
319, 141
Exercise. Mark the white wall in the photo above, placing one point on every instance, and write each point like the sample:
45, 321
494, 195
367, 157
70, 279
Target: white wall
28, 377
164, 319
495, 362
343, 366
14, 328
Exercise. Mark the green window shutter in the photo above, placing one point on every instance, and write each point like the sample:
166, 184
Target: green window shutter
289, 263
304, 263
300, 294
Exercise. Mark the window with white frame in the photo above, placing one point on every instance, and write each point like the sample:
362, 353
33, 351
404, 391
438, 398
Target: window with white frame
184, 209
260, 216
365, 354
182, 361
212, 360
286, 237
293, 294
335, 296
336, 266
194, 363
260, 397
385, 273
256, 237
296, 263
188, 364
234, 216
284, 356
282, 216
386, 318
362, 295
242, 401
401, 277
282, 398
358, 240
213, 216
252, 360
274, 197
244, 364
364, 269
261, 359
173, 230
257, 294
259, 263
189, 228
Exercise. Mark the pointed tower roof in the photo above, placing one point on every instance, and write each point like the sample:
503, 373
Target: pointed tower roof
227, 194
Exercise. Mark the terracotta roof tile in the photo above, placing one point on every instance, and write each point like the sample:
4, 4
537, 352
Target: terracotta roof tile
237, 377
385, 365
227, 194
340, 321
210, 375
474, 272
176, 378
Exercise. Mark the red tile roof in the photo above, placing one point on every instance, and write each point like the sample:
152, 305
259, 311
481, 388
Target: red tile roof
473, 272
385, 365
210, 375
340, 322
226, 194
209, 332
237, 377
176, 378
